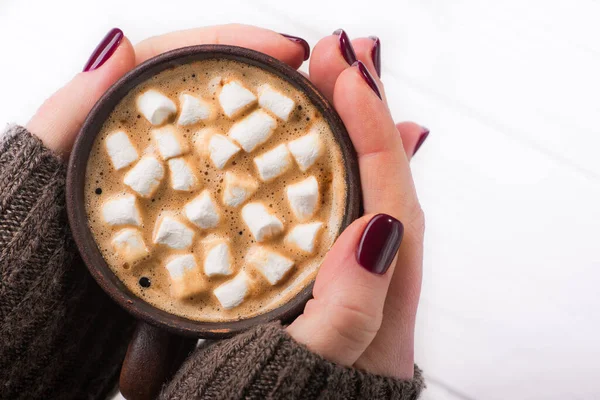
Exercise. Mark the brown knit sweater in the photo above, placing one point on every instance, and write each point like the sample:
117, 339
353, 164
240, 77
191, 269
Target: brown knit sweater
62, 337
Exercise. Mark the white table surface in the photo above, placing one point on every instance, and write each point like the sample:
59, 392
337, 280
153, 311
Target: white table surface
509, 177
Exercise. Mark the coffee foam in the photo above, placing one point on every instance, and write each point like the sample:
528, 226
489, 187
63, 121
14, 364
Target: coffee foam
262, 297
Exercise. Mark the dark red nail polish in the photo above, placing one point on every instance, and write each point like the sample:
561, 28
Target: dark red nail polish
104, 50
376, 54
346, 46
301, 42
424, 135
367, 77
379, 243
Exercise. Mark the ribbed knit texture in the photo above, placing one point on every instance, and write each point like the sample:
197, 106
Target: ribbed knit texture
266, 363
60, 335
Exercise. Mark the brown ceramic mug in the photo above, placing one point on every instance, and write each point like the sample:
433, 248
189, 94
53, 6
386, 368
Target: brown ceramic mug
162, 340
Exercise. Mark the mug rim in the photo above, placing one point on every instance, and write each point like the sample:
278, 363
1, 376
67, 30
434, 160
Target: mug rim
86, 137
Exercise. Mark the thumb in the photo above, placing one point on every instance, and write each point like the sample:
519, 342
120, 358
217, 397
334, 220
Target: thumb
350, 290
59, 119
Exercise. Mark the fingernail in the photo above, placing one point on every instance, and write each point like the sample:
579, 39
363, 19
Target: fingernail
367, 77
379, 243
301, 42
104, 50
376, 54
346, 46
424, 135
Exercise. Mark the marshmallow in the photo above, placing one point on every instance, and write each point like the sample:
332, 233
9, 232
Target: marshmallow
193, 109
253, 130
218, 260
273, 163
169, 142
120, 150
234, 98
272, 265
129, 245
232, 293
238, 188
145, 177
202, 211
304, 236
214, 84
155, 106
122, 210
221, 150
172, 233
306, 149
275, 101
262, 224
183, 177
303, 198
186, 277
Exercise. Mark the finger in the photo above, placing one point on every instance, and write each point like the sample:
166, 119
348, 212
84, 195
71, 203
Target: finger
413, 136
387, 188
289, 49
59, 119
349, 293
331, 55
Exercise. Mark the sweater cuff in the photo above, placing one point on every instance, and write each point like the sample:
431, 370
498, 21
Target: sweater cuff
266, 362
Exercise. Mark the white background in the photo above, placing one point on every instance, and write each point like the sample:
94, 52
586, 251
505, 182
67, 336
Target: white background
509, 177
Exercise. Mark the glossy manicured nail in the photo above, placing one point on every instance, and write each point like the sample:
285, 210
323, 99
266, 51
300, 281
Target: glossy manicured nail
104, 50
379, 243
424, 135
367, 77
301, 42
346, 46
376, 54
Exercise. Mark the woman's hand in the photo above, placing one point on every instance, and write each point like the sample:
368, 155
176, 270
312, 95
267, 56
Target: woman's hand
365, 301
366, 295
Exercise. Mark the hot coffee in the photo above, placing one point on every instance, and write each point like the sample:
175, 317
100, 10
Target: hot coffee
214, 190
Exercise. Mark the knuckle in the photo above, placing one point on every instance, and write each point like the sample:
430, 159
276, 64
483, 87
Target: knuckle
354, 324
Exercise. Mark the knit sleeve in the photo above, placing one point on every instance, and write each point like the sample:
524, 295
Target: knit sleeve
266, 363
60, 335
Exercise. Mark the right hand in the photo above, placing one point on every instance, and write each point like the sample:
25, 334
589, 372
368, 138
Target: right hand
359, 317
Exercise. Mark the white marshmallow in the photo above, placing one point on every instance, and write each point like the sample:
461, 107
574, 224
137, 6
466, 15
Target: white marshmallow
186, 277
273, 163
234, 97
306, 149
202, 211
221, 150
231, 293
169, 142
172, 233
155, 106
238, 188
272, 265
122, 210
193, 109
218, 259
120, 150
129, 245
261, 223
253, 130
304, 236
145, 176
304, 198
183, 177
214, 84
274, 101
